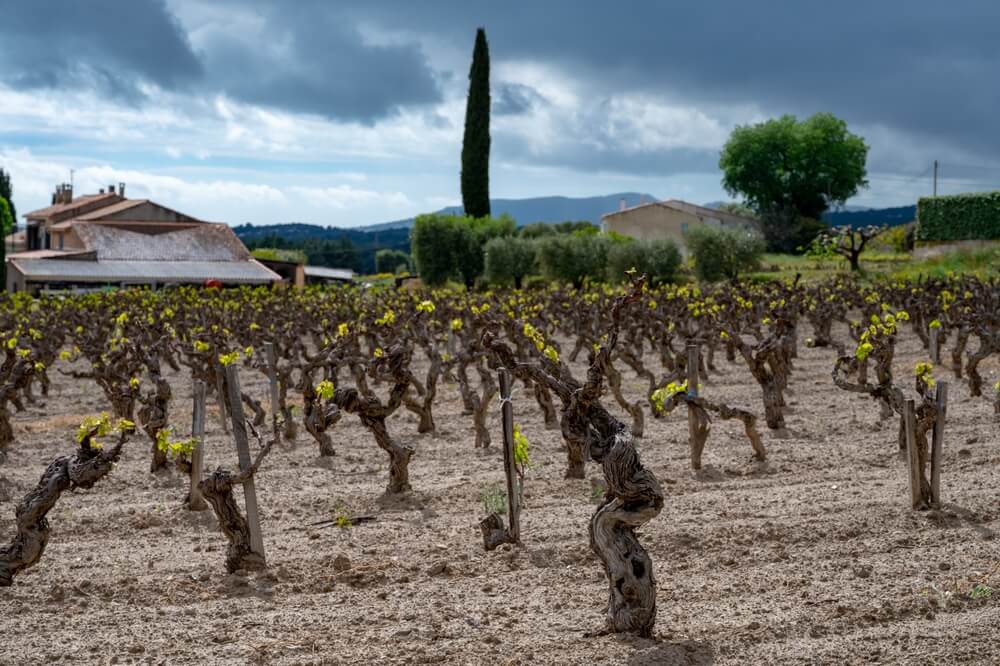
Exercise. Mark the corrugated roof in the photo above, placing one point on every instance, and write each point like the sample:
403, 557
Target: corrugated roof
206, 242
329, 273
48, 254
66, 270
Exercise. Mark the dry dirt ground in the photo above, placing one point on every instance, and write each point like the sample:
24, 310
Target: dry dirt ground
814, 557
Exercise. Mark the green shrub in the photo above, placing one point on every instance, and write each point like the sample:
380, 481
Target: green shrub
658, 259
721, 253
509, 260
571, 258
391, 261
447, 247
959, 217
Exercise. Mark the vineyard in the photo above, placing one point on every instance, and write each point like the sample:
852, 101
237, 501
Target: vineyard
751, 473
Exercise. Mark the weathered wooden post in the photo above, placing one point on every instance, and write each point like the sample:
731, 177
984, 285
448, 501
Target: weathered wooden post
492, 527
513, 482
272, 380
695, 442
195, 501
935, 345
243, 451
937, 443
912, 455
220, 395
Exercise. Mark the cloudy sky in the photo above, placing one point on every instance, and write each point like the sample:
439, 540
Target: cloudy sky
347, 113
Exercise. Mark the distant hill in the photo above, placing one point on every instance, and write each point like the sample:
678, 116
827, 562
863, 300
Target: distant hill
551, 210
861, 218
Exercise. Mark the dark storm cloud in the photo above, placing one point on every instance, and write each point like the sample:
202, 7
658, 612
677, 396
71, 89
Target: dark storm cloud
515, 98
104, 44
922, 67
303, 59
313, 61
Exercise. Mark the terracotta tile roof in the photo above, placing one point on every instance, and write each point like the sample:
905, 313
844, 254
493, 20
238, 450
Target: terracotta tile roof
87, 200
118, 207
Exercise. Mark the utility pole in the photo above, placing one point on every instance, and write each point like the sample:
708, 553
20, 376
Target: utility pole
935, 176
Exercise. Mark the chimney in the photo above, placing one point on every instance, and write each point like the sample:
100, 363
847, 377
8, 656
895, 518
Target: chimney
101, 191
111, 188
121, 189
621, 204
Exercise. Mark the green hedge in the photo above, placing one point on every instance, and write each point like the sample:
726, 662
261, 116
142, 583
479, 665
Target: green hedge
959, 217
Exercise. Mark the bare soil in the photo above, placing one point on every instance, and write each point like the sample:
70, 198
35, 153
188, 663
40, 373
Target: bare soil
813, 557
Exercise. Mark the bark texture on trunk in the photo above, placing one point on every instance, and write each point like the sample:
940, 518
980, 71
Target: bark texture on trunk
81, 470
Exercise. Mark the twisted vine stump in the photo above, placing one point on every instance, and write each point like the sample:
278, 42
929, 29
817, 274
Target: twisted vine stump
916, 421
494, 532
83, 469
153, 415
318, 417
699, 407
18, 376
632, 497
217, 488
363, 402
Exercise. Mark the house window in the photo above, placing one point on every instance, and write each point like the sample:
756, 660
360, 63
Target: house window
684, 228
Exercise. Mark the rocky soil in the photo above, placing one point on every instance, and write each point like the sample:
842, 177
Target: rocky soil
813, 557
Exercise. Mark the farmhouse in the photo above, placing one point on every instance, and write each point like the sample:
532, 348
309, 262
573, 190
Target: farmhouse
671, 219
105, 239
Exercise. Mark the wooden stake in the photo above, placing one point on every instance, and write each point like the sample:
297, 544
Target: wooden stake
937, 443
912, 457
272, 379
935, 346
220, 395
692, 391
243, 451
195, 501
513, 482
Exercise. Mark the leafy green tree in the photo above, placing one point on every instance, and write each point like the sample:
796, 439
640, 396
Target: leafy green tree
391, 261
509, 260
6, 227
737, 208
7, 192
721, 253
476, 142
658, 259
790, 171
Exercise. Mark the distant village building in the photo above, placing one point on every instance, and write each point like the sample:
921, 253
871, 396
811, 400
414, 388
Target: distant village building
671, 219
105, 239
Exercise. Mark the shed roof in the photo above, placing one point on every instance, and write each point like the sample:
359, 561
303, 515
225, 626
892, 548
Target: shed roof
325, 273
67, 270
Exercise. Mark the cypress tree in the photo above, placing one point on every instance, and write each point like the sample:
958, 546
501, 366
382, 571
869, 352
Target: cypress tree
476, 143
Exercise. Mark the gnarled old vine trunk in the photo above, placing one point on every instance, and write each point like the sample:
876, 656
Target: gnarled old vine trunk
217, 488
372, 412
81, 470
632, 496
